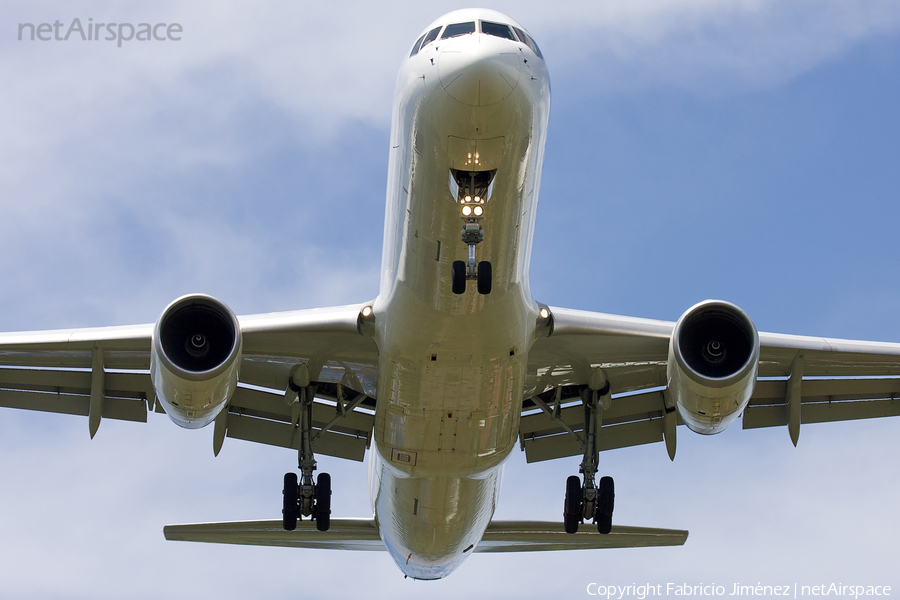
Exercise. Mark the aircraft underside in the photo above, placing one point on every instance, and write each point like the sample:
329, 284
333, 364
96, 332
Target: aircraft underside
454, 365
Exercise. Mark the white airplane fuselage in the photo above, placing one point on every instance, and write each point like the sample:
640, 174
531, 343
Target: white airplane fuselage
451, 371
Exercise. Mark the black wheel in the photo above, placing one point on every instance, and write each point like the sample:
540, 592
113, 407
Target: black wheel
484, 277
572, 508
289, 511
323, 502
604, 524
458, 274
606, 503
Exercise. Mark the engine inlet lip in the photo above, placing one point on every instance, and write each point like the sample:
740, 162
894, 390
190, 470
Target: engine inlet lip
731, 312
213, 305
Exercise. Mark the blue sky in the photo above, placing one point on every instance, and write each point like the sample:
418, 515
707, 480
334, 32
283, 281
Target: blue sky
697, 149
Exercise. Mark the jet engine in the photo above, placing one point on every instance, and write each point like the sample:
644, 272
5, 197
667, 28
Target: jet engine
713, 361
194, 359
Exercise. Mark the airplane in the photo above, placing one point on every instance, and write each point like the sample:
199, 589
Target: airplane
454, 364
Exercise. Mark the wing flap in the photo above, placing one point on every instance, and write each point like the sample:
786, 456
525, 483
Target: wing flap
274, 433
262, 416
68, 392
121, 409
611, 437
631, 420
535, 536
344, 534
824, 400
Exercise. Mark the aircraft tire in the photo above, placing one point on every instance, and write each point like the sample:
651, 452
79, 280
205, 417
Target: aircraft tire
323, 502
607, 498
458, 277
604, 524
572, 508
484, 277
289, 511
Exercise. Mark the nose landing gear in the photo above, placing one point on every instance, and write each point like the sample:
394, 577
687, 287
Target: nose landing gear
461, 272
473, 188
481, 272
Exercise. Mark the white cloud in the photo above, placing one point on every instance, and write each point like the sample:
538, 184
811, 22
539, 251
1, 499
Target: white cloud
709, 46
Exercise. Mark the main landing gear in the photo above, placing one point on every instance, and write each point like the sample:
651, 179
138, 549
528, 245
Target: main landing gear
585, 500
576, 509
305, 499
308, 500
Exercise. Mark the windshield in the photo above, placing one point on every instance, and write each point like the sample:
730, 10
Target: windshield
458, 29
526, 39
497, 29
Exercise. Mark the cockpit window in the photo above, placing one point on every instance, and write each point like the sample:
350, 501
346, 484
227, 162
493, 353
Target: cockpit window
528, 41
423, 41
416, 46
458, 29
431, 36
497, 29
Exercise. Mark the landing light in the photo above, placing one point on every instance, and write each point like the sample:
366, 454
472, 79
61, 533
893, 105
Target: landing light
478, 211
466, 211
545, 314
366, 311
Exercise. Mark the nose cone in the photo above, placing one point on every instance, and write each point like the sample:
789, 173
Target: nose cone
479, 70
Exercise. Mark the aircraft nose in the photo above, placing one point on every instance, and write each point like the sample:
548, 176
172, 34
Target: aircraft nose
479, 70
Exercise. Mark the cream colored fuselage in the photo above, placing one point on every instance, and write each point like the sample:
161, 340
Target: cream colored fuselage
451, 370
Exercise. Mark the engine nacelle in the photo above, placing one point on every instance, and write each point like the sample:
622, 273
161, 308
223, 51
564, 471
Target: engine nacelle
194, 359
713, 361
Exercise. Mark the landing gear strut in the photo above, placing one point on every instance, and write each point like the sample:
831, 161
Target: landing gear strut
472, 189
306, 499
587, 500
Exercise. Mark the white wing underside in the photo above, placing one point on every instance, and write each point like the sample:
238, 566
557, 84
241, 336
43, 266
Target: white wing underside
51, 371
841, 380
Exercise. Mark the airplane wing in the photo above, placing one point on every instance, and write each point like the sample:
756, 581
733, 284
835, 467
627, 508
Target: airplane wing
362, 534
104, 372
344, 534
836, 379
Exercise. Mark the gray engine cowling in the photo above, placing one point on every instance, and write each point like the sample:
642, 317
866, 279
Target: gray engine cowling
194, 359
713, 362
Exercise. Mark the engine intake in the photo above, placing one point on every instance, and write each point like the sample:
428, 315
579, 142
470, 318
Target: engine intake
195, 358
713, 362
